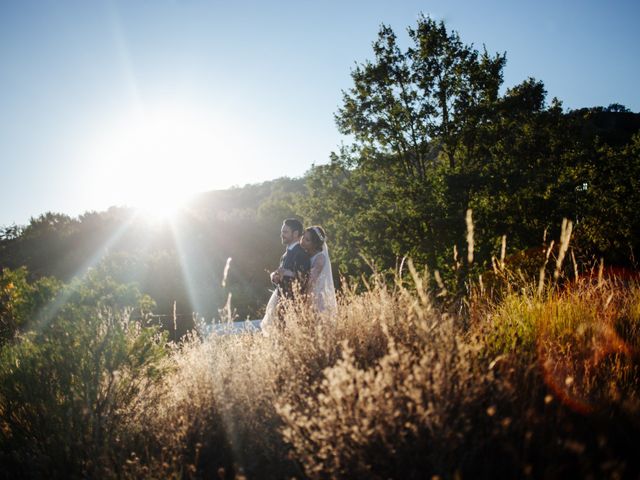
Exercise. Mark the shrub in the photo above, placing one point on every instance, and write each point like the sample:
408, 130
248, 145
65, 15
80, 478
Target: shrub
70, 389
20, 301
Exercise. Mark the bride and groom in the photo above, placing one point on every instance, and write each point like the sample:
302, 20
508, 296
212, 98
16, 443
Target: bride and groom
304, 269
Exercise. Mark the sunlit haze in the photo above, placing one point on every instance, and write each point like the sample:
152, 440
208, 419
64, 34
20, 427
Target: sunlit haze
145, 103
155, 158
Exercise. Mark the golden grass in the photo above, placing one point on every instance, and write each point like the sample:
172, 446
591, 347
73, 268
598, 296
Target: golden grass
398, 387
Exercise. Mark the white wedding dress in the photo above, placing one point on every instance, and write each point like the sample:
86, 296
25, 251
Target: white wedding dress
269, 319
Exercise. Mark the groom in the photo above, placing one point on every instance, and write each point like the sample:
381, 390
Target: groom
295, 260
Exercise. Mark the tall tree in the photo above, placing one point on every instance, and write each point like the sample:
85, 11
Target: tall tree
416, 114
409, 105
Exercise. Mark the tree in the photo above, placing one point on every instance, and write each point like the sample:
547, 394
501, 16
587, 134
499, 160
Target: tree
516, 178
433, 138
409, 105
69, 385
416, 116
607, 209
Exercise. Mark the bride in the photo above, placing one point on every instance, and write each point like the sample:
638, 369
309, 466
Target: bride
319, 289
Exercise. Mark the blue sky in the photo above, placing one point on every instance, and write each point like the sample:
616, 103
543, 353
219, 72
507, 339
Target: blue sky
125, 102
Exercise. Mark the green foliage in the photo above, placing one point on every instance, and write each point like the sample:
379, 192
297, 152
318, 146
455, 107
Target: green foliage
67, 387
369, 217
21, 301
180, 263
96, 290
404, 100
433, 138
607, 211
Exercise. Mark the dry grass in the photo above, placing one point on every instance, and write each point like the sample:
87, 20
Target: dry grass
539, 385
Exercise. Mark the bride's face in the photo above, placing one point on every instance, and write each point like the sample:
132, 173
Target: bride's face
306, 243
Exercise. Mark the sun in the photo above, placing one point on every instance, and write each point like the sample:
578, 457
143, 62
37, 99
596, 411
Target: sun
156, 159
160, 209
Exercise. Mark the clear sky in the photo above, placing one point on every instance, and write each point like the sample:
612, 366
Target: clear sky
138, 101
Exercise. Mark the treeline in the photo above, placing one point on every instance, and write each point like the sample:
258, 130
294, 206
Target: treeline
179, 263
434, 136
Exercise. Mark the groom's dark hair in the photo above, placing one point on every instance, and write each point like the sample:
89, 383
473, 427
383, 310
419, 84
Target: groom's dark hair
295, 225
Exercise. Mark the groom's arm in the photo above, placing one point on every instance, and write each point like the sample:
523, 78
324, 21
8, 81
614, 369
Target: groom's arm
302, 268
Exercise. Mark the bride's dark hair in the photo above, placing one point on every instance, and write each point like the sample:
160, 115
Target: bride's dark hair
317, 235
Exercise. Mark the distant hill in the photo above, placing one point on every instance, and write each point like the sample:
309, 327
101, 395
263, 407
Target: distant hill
248, 197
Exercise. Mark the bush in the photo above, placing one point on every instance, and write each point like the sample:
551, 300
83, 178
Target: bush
20, 301
70, 389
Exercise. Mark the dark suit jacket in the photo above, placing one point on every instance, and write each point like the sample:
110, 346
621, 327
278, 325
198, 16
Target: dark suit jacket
296, 260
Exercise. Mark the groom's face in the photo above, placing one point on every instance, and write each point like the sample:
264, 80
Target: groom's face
287, 235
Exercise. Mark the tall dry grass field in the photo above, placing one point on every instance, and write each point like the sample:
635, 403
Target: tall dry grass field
538, 384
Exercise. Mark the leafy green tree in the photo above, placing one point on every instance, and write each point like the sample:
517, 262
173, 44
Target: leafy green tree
413, 104
433, 138
367, 216
516, 177
415, 116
